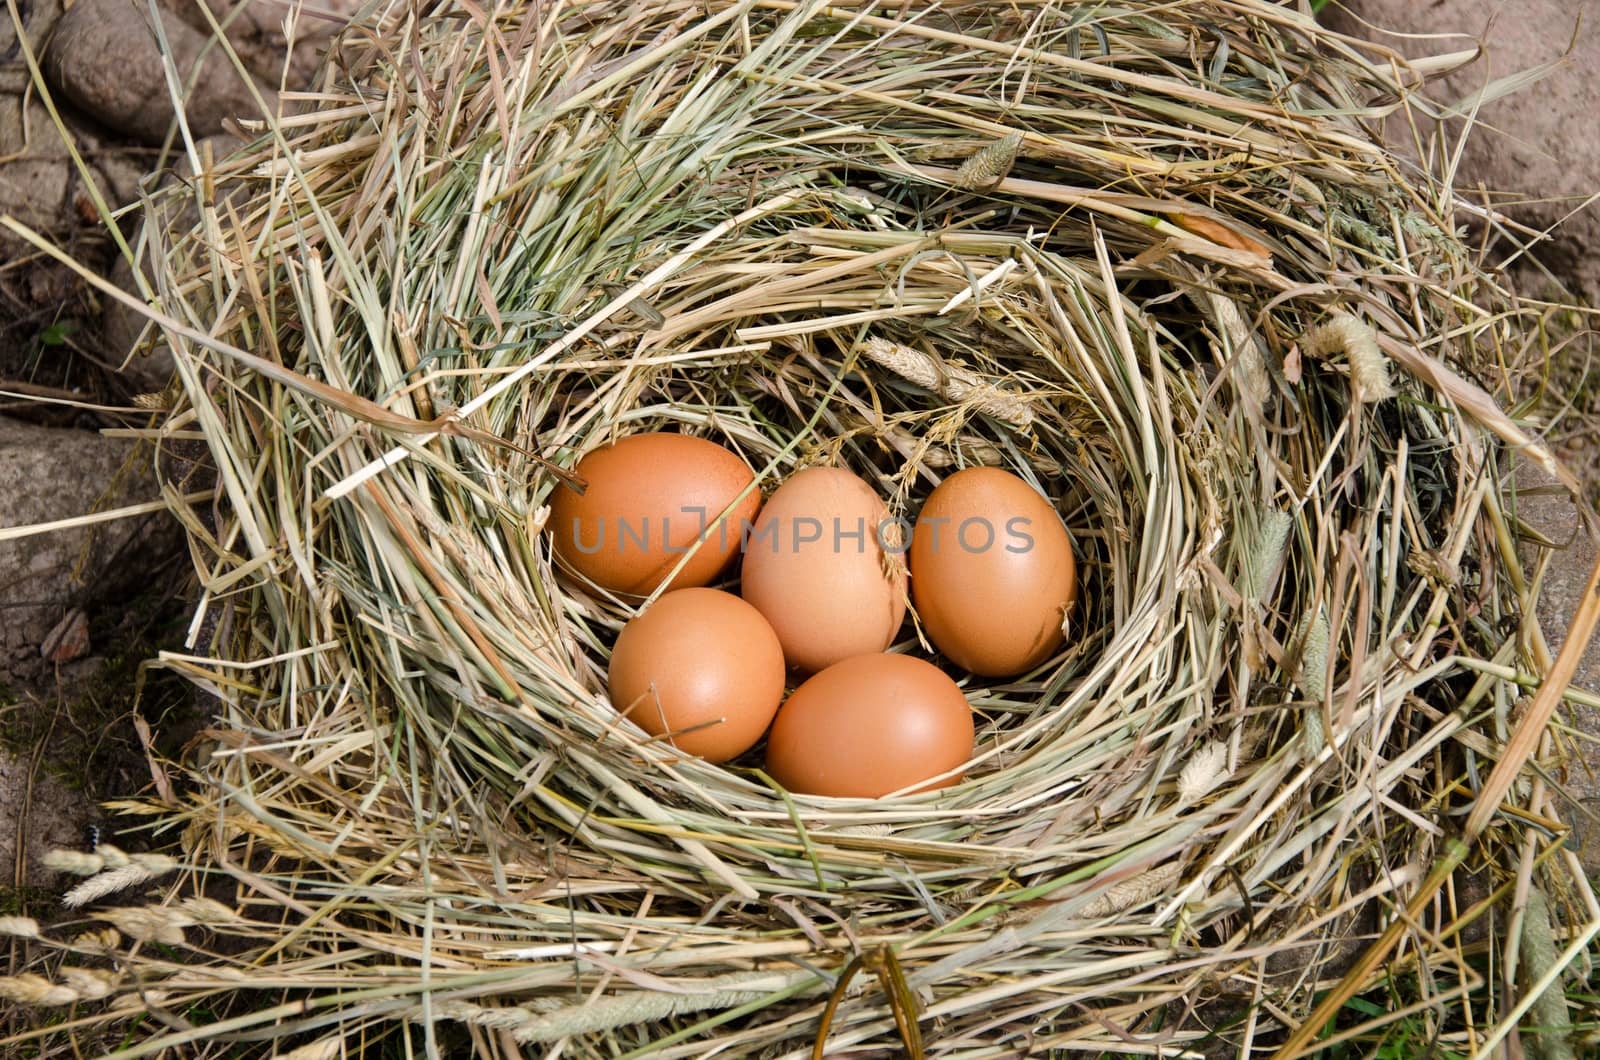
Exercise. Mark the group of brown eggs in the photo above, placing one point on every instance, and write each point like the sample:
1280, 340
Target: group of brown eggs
823, 573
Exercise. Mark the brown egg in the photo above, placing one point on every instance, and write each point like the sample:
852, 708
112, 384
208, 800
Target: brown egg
649, 497
815, 567
992, 572
703, 666
868, 726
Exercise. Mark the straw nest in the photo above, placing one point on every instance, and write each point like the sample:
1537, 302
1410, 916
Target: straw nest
1147, 259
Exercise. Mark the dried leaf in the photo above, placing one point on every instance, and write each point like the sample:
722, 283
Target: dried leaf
68, 639
1219, 233
158, 773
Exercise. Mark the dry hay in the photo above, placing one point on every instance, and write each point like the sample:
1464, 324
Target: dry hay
1145, 257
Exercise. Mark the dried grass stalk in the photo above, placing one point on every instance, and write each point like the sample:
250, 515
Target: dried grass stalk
24, 927
989, 164
1202, 773
953, 382
1358, 343
1129, 893
141, 868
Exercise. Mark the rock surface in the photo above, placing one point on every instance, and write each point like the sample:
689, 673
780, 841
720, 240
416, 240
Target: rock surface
149, 364
1550, 512
102, 59
1535, 149
43, 815
48, 474
256, 31
40, 186
105, 59
38, 17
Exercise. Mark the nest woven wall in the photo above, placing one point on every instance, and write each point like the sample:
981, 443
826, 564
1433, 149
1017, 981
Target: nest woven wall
1145, 257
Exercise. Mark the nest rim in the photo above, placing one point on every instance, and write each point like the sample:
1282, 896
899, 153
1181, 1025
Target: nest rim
710, 835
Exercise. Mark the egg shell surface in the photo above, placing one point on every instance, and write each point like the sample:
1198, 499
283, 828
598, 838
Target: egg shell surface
649, 498
814, 565
992, 572
702, 665
868, 726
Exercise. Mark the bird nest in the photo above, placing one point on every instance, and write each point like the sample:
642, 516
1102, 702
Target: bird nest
1147, 259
